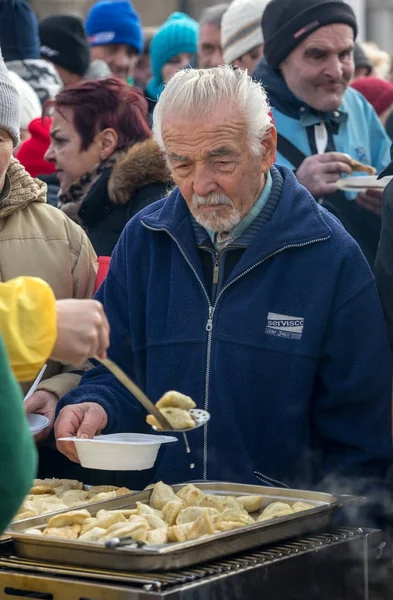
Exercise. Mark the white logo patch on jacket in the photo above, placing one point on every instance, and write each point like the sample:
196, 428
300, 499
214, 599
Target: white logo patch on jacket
284, 326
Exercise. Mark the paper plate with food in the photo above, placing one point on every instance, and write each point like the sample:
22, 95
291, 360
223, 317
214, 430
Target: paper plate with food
360, 183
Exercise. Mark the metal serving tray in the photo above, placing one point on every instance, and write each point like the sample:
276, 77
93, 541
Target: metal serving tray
90, 506
86, 505
179, 555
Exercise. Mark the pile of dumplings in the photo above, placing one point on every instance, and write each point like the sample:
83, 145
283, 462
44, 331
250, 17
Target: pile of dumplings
186, 515
52, 495
175, 407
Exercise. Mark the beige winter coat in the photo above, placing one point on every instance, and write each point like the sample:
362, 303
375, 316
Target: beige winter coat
39, 240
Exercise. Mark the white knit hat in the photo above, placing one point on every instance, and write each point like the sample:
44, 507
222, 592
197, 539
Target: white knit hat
30, 105
9, 105
241, 28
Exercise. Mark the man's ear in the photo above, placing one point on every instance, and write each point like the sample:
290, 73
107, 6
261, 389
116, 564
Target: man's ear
269, 146
108, 140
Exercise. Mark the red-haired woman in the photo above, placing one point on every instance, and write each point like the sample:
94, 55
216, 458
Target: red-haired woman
108, 166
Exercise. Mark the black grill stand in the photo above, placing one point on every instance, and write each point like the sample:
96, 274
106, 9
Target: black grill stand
344, 564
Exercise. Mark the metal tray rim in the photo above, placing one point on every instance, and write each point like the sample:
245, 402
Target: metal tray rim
330, 503
76, 507
172, 547
184, 554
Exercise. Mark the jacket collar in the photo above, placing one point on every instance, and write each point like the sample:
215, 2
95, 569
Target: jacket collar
282, 99
141, 165
298, 220
21, 190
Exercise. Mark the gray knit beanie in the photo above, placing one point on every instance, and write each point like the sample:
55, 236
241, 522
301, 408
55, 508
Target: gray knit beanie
9, 105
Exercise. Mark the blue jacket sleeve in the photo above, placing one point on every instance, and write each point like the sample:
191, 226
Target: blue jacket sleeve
98, 385
352, 414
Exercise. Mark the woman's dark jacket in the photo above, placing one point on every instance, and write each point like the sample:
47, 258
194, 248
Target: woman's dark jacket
137, 179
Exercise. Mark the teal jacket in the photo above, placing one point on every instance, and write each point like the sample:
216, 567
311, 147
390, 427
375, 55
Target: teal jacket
360, 133
353, 129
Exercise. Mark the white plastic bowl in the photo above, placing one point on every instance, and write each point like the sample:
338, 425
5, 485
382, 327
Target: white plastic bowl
37, 423
119, 451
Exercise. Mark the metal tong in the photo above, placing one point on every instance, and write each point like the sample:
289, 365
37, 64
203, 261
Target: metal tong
127, 540
136, 391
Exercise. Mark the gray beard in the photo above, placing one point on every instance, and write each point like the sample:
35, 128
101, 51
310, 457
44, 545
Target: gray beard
213, 221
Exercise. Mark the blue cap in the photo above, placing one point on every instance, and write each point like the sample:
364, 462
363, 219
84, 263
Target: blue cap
18, 31
178, 34
114, 23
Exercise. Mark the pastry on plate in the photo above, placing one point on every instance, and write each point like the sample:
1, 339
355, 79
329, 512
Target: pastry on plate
358, 167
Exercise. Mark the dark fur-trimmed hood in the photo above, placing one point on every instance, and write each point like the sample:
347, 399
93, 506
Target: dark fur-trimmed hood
142, 164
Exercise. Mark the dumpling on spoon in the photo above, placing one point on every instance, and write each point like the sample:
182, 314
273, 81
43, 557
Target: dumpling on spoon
174, 406
175, 400
178, 418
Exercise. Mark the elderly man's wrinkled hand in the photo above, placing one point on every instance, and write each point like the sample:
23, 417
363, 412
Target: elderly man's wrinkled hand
42, 403
83, 420
371, 200
82, 331
319, 173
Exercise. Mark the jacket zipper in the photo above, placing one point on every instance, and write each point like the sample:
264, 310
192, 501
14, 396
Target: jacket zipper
209, 329
212, 308
216, 268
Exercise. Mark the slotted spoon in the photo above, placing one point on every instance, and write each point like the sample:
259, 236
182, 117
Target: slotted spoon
200, 417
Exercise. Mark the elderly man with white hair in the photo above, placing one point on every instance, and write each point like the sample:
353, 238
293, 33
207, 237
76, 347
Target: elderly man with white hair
241, 292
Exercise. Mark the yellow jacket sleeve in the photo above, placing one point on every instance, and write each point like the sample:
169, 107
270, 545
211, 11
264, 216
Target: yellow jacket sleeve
27, 324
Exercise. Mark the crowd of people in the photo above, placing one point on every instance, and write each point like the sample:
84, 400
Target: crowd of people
206, 160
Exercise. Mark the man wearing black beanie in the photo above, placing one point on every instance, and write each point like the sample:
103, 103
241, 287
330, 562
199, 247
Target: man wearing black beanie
322, 123
64, 43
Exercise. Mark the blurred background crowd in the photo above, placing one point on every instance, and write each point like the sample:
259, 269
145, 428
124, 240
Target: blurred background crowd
53, 44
